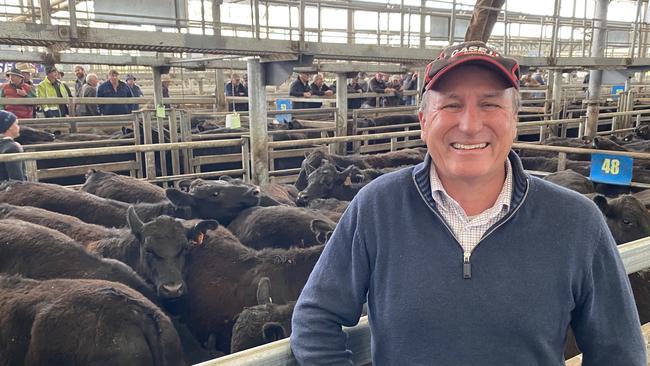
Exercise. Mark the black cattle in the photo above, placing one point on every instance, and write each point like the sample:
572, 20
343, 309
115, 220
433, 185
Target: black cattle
122, 188
378, 161
80, 231
546, 164
223, 277
261, 324
38, 252
82, 322
572, 180
330, 207
643, 196
584, 143
157, 250
327, 182
281, 227
29, 135
271, 194
213, 202
78, 137
627, 217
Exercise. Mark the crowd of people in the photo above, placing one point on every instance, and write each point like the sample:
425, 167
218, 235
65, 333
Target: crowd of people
314, 86
19, 84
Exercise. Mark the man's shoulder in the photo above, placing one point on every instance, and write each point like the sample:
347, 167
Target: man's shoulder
559, 199
10, 146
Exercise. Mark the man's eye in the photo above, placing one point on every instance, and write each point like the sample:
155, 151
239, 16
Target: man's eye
490, 105
451, 107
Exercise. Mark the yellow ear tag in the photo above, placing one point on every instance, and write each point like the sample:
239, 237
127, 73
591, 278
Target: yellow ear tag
348, 181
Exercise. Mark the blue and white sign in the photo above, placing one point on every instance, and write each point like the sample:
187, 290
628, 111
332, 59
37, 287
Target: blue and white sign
283, 105
617, 90
612, 169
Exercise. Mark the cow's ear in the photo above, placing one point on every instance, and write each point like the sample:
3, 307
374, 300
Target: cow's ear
179, 198
321, 229
184, 185
134, 222
273, 331
226, 178
601, 202
197, 233
264, 291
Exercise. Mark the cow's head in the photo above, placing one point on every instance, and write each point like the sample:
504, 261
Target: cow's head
216, 199
627, 218
164, 246
29, 135
322, 182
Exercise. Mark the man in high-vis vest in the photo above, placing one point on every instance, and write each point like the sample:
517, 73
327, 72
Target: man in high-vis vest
17, 88
52, 87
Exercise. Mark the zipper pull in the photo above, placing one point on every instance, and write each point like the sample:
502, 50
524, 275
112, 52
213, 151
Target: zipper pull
467, 266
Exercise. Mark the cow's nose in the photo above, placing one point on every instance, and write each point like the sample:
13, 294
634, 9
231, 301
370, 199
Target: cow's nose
255, 191
170, 290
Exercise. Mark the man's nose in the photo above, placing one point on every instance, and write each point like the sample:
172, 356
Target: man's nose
470, 120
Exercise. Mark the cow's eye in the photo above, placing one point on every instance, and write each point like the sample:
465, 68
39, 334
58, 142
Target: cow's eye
627, 222
216, 194
152, 254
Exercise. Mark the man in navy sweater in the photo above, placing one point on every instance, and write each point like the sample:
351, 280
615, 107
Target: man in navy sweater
114, 88
465, 259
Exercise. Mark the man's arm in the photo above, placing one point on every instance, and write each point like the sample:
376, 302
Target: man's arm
333, 296
297, 90
228, 90
605, 320
375, 87
15, 168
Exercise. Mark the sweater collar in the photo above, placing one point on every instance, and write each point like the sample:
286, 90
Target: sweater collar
520, 180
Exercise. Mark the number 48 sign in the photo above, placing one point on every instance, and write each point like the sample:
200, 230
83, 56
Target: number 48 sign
612, 169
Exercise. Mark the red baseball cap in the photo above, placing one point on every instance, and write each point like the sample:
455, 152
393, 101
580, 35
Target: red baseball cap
475, 52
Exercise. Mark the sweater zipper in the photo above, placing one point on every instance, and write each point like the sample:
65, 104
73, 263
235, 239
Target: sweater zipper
467, 264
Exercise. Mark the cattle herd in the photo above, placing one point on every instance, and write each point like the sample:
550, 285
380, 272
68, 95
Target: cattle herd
123, 271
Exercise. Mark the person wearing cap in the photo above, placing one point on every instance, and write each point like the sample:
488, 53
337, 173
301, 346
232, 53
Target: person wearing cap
466, 259
52, 87
17, 88
114, 88
236, 89
135, 89
410, 83
354, 87
362, 81
27, 70
319, 88
9, 130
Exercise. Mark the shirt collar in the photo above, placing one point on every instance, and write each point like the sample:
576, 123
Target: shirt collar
443, 199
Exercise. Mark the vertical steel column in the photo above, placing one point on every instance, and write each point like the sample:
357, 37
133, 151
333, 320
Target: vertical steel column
452, 23
157, 87
342, 114
219, 90
351, 37
556, 30
216, 17
45, 12
401, 24
423, 42
257, 18
258, 128
595, 76
557, 93
637, 24
72, 10
301, 24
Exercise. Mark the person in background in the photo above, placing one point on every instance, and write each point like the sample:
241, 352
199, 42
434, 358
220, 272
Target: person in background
454, 256
539, 77
9, 130
300, 88
362, 76
28, 70
319, 88
377, 85
80, 73
89, 90
135, 89
528, 80
114, 88
235, 88
396, 85
410, 83
52, 87
165, 81
354, 88
17, 88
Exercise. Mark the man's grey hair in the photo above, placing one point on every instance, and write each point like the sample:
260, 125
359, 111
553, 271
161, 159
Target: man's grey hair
426, 99
91, 76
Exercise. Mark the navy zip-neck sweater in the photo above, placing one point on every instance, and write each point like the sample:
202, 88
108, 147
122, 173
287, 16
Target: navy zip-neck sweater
549, 264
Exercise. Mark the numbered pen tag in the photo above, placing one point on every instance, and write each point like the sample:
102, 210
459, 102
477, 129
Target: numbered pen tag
160, 111
612, 169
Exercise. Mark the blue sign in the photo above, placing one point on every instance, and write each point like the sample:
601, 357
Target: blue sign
612, 169
283, 105
616, 90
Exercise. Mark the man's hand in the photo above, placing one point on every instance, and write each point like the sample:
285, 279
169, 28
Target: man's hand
359, 91
306, 94
329, 93
21, 92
